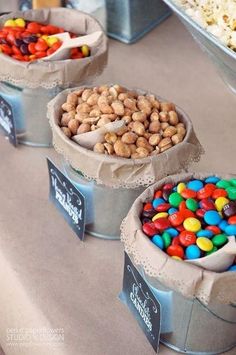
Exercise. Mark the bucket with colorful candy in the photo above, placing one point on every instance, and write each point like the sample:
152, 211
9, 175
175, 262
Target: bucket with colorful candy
180, 234
120, 139
28, 81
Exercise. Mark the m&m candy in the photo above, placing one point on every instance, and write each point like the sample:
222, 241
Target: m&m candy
192, 219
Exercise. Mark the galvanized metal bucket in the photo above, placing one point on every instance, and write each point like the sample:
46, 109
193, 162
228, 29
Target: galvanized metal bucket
29, 108
190, 327
129, 20
105, 207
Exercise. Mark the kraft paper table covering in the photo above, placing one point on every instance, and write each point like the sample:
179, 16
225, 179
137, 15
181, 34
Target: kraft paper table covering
47, 275
63, 73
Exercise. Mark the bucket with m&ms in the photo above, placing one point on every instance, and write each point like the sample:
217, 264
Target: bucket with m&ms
172, 230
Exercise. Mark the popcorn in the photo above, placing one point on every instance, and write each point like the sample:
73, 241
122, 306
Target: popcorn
217, 16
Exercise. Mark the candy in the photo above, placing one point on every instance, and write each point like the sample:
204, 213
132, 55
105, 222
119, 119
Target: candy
231, 192
158, 241
175, 199
232, 268
166, 239
191, 204
195, 185
223, 184
162, 224
176, 219
160, 215
231, 229
204, 244
192, 224
20, 32
194, 219
175, 250
20, 22
212, 217
220, 202
187, 238
157, 202
219, 240
180, 187
149, 229
192, 252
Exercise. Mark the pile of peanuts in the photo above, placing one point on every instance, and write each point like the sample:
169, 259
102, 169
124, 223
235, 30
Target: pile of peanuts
151, 126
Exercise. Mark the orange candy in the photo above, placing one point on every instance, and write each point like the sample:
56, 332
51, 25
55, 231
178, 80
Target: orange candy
187, 193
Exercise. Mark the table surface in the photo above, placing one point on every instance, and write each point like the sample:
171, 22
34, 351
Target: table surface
48, 277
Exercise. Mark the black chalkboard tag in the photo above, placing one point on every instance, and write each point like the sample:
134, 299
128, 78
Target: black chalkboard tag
7, 121
68, 199
141, 302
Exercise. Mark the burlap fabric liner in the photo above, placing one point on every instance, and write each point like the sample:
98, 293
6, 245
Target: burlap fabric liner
190, 280
64, 73
120, 172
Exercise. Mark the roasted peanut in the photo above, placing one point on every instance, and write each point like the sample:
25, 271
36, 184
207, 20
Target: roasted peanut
142, 142
139, 116
67, 107
177, 138
138, 128
155, 139
154, 127
154, 116
133, 148
66, 131
142, 152
110, 137
173, 118
145, 106
164, 142
102, 88
84, 107
84, 128
103, 121
181, 130
169, 131
93, 99
95, 112
122, 96
66, 117
86, 94
80, 116
99, 148
73, 125
122, 131
131, 104
118, 108
164, 125
122, 149
129, 138
127, 119
113, 92
72, 99
91, 120
168, 146
167, 106
111, 116
164, 117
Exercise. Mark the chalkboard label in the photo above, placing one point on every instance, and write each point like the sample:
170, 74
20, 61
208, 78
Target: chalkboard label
141, 302
68, 199
7, 121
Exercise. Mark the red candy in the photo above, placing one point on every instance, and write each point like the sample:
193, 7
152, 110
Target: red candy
175, 241
219, 193
205, 192
187, 238
163, 207
207, 204
188, 193
149, 229
34, 27
232, 220
187, 213
214, 229
147, 207
200, 213
176, 219
162, 223
41, 45
158, 194
175, 250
